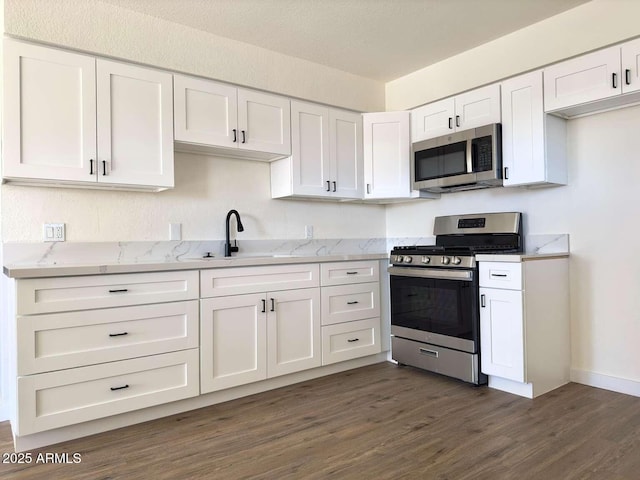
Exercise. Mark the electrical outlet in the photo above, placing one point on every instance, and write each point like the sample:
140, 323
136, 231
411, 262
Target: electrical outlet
53, 232
308, 231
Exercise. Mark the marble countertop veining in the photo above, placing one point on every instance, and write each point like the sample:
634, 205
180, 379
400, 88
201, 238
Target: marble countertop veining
194, 263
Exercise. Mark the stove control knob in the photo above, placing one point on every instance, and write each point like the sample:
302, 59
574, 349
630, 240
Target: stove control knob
446, 260
399, 258
408, 259
456, 260
426, 259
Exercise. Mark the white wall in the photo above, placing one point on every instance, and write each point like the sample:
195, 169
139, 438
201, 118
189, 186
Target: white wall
587, 27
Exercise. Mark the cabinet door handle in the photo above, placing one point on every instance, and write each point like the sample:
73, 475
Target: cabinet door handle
451, 123
457, 120
498, 274
244, 136
235, 135
351, 340
122, 334
614, 80
119, 290
352, 303
483, 301
328, 186
91, 166
264, 305
334, 186
627, 76
273, 305
113, 389
352, 273
104, 167
368, 188
506, 173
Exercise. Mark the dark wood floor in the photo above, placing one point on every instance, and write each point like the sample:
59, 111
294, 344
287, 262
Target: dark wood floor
377, 422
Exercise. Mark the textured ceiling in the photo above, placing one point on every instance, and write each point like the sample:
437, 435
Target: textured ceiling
378, 39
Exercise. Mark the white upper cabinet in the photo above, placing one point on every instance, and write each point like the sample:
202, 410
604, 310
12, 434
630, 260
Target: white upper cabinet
49, 114
70, 119
212, 116
631, 66
533, 143
326, 159
583, 79
387, 157
602, 80
135, 125
468, 110
345, 143
206, 112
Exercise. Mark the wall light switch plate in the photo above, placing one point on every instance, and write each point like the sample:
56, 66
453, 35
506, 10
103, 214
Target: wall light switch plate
175, 231
53, 232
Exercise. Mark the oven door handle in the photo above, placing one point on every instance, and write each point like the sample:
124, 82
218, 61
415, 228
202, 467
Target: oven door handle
465, 275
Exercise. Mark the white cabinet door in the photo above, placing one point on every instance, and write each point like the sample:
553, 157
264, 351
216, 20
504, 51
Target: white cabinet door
631, 66
345, 303
311, 159
502, 333
233, 341
523, 152
345, 143
293, 331
387, 155
478, 107
264, 122
49, 114
205, 112
584, 79
432, 120
135, 125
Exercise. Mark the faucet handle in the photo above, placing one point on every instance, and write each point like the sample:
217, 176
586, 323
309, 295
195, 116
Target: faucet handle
235, 246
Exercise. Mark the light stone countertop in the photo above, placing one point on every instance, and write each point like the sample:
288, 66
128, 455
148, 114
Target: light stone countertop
518, 257
195, 263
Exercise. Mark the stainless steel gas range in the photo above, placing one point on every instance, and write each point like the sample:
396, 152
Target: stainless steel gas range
435, 320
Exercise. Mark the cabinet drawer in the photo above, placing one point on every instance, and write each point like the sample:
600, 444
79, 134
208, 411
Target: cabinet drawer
344, 303
240, 280
349, 340
501, 275
340, 273
74, 339
57, 399
48, 295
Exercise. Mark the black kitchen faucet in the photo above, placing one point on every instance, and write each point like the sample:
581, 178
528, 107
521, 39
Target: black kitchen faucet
228, 249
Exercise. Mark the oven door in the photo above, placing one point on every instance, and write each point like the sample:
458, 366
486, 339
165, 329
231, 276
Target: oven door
436, 306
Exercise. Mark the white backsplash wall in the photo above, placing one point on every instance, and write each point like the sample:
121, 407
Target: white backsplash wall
206, 188
598, 209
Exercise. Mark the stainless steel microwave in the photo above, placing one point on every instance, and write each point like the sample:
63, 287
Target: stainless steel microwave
464, 160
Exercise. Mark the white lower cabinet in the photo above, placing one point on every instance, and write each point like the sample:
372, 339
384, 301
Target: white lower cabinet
253, 336
524, 324
94, 346
350, 310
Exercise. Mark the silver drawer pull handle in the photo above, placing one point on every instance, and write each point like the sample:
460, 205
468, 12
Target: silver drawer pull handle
431, 353
352, 273
352, 303
118, 334
113, 389
351, 340
119, 290
498, 274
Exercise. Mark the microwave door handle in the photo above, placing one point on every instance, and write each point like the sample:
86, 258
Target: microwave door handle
470, 153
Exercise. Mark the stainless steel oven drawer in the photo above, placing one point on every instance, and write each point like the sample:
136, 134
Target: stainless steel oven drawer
436, 359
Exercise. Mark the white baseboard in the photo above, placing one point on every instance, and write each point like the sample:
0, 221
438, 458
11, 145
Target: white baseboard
598, 380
